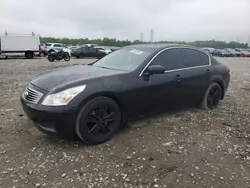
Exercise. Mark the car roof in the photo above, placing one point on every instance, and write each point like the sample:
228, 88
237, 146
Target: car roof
157, 47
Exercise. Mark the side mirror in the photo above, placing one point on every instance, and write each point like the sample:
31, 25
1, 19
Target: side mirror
156, 69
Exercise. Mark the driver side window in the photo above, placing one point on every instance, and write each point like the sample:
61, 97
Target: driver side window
170, 59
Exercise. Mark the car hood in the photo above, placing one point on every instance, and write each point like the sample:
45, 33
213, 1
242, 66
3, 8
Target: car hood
56, 78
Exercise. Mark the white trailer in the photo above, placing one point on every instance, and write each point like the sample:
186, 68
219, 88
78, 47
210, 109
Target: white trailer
19, 45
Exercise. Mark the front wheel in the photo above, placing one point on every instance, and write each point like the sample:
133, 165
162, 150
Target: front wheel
212, 97
98, 120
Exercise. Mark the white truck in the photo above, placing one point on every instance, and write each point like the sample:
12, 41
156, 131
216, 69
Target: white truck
19, 45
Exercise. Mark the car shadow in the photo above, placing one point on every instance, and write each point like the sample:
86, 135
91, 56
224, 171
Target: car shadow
127, 125
149, 114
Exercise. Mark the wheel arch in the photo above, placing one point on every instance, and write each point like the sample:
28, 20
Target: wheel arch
221, 84
108, 94
28, 51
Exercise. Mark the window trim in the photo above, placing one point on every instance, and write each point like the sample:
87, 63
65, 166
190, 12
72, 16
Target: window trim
174, 70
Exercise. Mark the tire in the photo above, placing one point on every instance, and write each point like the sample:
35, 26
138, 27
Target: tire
81, 56
95, 124
66, 57
51, 58
100, 56
29, 55
212, 97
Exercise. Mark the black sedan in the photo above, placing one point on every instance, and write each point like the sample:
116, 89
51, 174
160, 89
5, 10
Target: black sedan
220, 53
90, 101
87, 51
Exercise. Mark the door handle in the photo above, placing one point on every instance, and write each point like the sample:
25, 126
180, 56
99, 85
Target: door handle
208, 71
178, 78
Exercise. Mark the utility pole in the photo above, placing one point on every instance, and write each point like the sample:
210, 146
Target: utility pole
151, 35
249, 42
141, 37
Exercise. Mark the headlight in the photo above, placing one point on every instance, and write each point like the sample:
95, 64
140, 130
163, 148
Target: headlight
63, 97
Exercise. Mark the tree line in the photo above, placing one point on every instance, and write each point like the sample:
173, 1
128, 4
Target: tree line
120, 43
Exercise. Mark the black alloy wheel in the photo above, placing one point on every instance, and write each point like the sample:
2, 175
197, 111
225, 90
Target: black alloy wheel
212, 97
98, 120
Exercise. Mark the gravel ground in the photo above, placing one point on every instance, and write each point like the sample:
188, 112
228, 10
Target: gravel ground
186, 148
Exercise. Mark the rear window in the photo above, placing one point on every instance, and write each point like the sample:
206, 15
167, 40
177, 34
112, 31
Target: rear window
204, 58
47, 44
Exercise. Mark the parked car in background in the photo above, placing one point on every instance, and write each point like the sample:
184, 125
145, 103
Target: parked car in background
245, 53
233, 53
73, 47
91, 45
104, 49
91, 101
55, 47
220, 53
114, 48
86, 51
43, 50
208, 50
19, 45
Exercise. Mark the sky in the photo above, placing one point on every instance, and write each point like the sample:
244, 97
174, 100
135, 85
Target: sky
172, 20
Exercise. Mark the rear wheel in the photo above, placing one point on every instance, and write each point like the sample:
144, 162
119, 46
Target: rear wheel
66, 57
29, 55
99, 56
81, 56
212, 97
98, 120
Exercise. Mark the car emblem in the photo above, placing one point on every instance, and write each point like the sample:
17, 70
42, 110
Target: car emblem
25, 93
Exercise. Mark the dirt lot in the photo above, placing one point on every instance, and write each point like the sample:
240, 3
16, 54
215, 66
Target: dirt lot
186, 148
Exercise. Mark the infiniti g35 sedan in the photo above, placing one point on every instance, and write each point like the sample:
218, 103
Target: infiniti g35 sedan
89, 101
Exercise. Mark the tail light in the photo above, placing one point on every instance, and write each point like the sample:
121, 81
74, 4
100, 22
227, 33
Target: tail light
39, 47
75, 50
228, 70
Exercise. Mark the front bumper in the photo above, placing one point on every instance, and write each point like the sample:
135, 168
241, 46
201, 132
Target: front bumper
52, 120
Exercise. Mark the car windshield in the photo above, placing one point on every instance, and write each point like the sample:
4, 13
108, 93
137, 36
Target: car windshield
124, 59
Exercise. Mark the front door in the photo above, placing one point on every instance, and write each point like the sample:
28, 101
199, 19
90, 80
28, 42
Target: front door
162, 90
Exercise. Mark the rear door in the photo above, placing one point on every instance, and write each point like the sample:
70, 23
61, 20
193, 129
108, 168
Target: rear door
195, 74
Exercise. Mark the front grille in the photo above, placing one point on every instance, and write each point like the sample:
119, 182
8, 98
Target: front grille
32, 95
